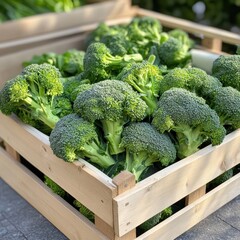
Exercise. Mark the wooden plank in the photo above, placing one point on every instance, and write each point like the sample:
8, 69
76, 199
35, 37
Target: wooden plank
171, 184
12, 152
67, 219
213, 44
195, 195
50, 22
124, 181
80, 179
195, 212
191, 27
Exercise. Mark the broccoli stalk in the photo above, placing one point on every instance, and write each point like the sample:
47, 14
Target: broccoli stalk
112, 103
73, 138
144, 146
33, 92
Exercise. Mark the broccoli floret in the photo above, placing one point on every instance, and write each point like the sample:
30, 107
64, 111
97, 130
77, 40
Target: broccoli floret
173, 53
227, 69
144, 146
190, 118
74, 137
117, 44
70, 63
150, 223
113, 103
50, 58
61, 106
84, 211
192, 79
142, 28
99, 63
33, 92
226, 102
54, 187
145, 78
182, 36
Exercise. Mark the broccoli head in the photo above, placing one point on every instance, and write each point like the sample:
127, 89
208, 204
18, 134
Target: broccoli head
100, 64
113, 103
193, 79
182, 36
61, 106
226, 102
191, 120
73, 138
33, 92
50, 58
145, 78
227, 69
174, 53
144, 146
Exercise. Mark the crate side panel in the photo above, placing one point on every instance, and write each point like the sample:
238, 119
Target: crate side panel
195, 212
50, 22
92, 188
171, 184
67, 219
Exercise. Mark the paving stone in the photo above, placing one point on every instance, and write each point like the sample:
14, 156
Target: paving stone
211, 228
230, 213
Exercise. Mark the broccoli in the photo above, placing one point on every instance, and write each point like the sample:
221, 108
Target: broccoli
221, 178
50, 58
73, 138
144, 28
174, 53
192, 79
61, 106
238, 50
227, 70
113, 103
54, 187
190, 118
145, 78
182, 36
150, 223
70, 63
145, 145
226, 102
84, 211
100, 64
33, 92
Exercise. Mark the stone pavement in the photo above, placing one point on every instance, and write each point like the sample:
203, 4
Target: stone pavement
20, 221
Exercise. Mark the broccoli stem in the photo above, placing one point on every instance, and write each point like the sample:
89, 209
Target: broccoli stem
112, 132
189, 141
42, 113
151, 101
97, 155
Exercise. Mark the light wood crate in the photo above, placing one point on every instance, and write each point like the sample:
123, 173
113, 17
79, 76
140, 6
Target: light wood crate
42, 28
119, 204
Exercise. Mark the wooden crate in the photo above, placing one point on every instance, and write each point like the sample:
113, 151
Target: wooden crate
35, 30
119, 204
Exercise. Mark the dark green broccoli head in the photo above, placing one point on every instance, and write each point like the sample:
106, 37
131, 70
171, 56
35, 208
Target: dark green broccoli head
227, 69
192, 79
99, 63
147, 146
192, 120
61, 106
226, 102
173, 53
70, 63
114, 103
74, 137
145, 78
50, 58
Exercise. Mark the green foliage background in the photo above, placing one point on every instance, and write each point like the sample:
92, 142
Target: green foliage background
224, 14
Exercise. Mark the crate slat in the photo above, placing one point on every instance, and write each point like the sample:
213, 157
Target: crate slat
171, 184
55, 209
91, 187
195, 212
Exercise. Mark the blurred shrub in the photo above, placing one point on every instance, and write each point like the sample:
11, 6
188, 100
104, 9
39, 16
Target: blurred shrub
221, 14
